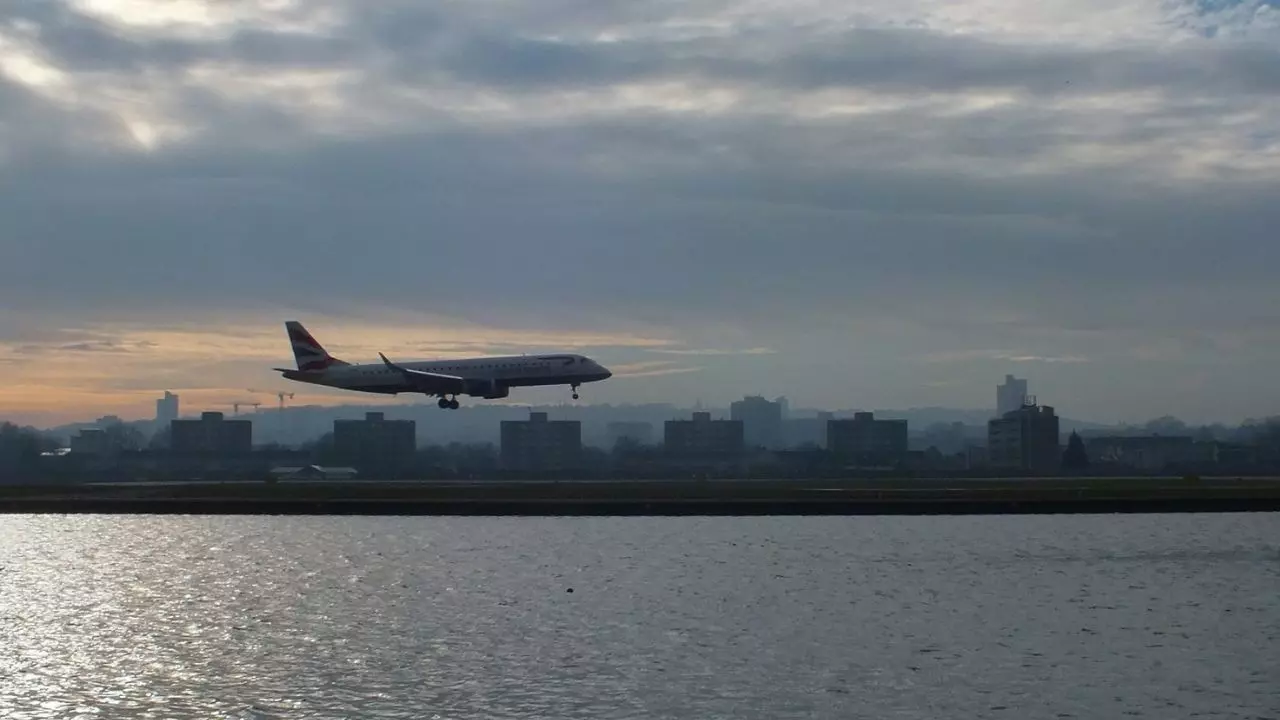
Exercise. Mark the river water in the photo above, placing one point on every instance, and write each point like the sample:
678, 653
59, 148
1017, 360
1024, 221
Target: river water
1119, 616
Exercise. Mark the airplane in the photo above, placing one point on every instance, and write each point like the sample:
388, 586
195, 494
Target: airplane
483, 377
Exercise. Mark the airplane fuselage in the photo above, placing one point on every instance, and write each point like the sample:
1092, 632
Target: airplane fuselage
485, 377
498, 373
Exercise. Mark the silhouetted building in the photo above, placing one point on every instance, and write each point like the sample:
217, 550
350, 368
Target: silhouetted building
1025, 439
864, 440
539, 444
1010, 396
761, 421
211, 435
977, 456
374, 443
1235, 455
1151, 452
640, 433
703, 437
166, 409
92, 441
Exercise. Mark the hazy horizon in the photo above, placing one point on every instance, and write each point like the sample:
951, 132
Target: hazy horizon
353, 406
892, 207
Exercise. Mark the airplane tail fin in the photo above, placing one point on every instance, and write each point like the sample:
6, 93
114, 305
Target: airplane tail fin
310, 354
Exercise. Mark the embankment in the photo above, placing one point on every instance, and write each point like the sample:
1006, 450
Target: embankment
615, 498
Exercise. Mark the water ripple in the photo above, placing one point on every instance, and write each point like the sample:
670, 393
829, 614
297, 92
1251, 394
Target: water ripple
1000, 617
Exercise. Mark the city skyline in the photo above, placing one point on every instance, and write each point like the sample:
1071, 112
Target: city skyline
888, 208
253, 404
87, 375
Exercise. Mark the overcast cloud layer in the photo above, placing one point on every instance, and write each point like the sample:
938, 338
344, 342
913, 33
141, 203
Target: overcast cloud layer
887, 207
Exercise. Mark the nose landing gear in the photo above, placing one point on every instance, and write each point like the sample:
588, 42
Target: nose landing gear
448, 403
575, 391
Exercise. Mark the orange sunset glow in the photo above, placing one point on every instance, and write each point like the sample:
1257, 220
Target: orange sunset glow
119, 369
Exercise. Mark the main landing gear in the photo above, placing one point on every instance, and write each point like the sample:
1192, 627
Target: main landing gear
575, 391
448, 403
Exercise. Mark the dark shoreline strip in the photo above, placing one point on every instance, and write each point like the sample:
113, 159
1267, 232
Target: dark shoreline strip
685, 507
656, 498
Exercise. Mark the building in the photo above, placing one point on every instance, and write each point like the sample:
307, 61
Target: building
375, 443
92, 441
211, 435
807, 431
1010, 396
703, 437
977, 456
1149, 452
639, 433
761, 421
539, 444
1025, 439
166, 409
109, 435
864, 440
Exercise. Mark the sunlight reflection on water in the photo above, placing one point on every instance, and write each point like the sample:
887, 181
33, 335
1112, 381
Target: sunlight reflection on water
266, 617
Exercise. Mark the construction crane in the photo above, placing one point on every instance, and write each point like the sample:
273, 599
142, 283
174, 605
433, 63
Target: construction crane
236, 404
280, 395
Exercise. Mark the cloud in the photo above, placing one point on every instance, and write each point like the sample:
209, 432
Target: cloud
89, 343
663, 371
651, 369
859, 190
999, 355
710, 351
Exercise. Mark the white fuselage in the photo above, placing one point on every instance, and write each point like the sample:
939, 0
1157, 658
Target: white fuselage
500, 372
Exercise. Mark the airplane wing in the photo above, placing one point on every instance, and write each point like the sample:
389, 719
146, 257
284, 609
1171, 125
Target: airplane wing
428, 382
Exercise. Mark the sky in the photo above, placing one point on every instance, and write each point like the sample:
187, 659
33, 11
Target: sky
889, 204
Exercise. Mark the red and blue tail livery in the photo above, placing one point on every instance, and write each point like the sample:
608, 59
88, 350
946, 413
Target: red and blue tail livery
309, 354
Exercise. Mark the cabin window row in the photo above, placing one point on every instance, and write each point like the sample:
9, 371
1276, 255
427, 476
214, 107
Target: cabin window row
383, 371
